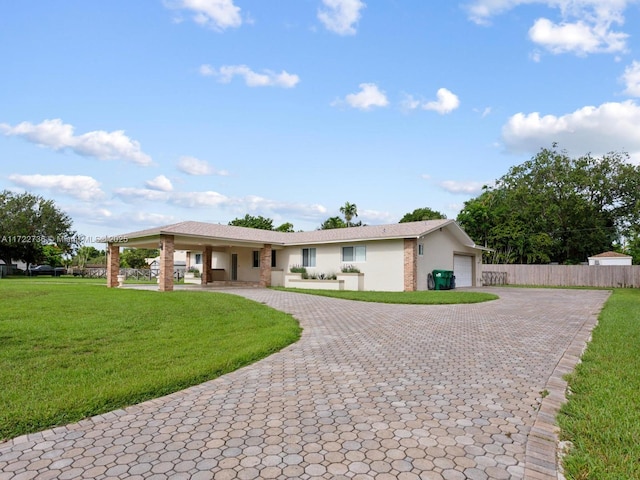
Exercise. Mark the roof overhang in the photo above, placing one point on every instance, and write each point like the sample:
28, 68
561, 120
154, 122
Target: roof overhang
187, 242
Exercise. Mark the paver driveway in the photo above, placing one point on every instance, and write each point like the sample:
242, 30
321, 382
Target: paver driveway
370, 391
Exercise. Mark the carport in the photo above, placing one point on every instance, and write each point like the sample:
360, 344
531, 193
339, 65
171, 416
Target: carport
221, 240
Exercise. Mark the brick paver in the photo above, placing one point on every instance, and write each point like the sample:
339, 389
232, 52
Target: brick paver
370, 392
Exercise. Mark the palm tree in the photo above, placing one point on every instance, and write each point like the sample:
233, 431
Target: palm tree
349, 210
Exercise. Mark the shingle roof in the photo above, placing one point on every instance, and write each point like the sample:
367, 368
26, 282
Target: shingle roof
214, 230
370, 232
610, 255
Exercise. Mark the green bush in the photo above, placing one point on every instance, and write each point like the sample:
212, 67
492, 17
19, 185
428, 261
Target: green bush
350, 269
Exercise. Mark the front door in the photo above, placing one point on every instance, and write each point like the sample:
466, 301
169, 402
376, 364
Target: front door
234, 267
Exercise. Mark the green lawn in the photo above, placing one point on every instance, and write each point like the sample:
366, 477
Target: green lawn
602, 417
71, 348
428, 297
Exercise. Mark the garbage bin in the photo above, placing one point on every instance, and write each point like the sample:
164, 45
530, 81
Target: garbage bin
442, 279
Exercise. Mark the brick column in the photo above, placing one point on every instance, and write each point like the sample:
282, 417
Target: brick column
206, 266
265, 266
113, 265
410, 264
167, 250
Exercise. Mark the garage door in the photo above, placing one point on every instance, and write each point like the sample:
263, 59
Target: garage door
463, 270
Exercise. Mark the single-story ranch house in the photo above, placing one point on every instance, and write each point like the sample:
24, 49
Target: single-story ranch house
395, 257
610, 258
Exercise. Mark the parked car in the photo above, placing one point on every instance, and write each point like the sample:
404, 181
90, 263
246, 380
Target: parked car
46, 270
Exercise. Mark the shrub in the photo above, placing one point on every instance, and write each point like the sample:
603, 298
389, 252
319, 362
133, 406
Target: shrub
350, 269
195, 271
322, 276
299, 269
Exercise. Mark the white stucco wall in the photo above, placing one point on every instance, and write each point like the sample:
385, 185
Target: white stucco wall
246, 271
383, 268
439, 249
610, 260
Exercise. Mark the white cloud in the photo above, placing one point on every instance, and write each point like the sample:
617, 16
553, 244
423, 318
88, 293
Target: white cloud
207, 70
198, 199
252, 79
608, 127
89, 213
579, 37
376, 217
141, 194
216, 14
409, 103
447, 102
585, 26
78, 186
211, 199
160, 183
100, 144
140, 217
195, 166
631, 79
471, 187
265, 206
369, 96
340, 16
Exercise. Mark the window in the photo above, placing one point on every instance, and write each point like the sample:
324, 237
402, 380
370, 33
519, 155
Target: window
256, 259
198, 258
354, 254
420, 249
273, 258
308, 257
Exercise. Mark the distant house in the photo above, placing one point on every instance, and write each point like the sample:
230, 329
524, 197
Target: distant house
611, 258
11, 268
395, 257
179, 263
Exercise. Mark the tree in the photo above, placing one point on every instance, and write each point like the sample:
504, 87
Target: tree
285, 227
333, 222
28, 223
137, 257
420, 214
52, 255
632, 245
349, 210
87, 254
261, 223
554, 208
250, 221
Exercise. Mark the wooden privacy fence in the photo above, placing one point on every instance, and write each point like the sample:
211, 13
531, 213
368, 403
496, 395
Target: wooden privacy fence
563, 275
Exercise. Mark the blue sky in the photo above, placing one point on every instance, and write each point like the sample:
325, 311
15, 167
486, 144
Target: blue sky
137, 114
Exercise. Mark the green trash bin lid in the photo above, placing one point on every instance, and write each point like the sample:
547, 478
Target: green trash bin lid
443, 273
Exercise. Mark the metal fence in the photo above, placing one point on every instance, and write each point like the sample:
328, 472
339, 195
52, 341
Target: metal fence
494, 278
563, 275
137, 273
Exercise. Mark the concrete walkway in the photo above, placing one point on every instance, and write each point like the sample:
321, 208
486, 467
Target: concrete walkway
370, 391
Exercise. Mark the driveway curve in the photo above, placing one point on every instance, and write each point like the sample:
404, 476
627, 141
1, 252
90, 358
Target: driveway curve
371, 391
